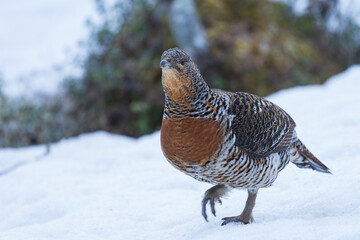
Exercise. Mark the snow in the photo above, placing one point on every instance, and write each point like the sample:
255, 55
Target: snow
42, 42
105, 186
39, 42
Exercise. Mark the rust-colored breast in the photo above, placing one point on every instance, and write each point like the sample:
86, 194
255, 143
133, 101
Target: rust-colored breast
190, 140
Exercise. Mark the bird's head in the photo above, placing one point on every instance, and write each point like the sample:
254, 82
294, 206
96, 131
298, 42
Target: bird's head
181, 77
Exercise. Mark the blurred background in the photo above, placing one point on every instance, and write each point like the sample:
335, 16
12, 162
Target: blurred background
68, 67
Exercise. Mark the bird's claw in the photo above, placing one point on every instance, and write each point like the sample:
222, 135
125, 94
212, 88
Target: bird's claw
213, 195
208, 198
240, 218
211, 202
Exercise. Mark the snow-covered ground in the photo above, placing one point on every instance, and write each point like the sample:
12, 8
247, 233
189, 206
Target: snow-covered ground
39, 42
42, 42
104, 186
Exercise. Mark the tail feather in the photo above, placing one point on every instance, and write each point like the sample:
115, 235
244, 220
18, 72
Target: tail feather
307, 160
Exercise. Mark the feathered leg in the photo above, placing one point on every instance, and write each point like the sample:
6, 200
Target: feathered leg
246, 215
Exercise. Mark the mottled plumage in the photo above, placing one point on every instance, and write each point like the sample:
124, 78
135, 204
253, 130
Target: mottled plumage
232, 140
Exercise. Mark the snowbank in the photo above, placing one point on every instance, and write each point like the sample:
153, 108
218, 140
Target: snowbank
104, 186
39, 41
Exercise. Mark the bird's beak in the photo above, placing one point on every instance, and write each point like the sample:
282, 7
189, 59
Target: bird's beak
165, 64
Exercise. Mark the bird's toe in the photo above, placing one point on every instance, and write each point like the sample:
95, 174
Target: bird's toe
211, 202
239, 218
212, 196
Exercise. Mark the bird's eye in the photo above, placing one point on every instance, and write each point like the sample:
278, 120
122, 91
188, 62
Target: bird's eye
182, 63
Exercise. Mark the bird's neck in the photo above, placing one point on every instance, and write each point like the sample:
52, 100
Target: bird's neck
184, 96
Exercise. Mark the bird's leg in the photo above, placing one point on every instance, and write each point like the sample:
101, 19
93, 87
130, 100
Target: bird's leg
246, 215
211, 195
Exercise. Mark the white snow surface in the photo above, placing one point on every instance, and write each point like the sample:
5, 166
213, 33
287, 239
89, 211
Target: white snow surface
39, 42
42, 42
106, 186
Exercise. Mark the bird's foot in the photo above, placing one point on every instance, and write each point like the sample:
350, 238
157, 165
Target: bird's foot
241, 218
213, 195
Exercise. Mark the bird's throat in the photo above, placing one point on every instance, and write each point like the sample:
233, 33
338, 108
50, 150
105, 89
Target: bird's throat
177, 88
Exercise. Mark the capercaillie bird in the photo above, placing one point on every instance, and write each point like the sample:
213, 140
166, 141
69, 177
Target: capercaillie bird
229, 139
